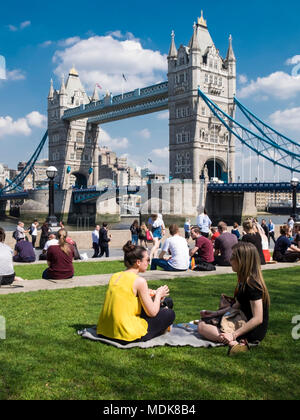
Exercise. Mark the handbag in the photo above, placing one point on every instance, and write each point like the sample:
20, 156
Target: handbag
233, 321
149, 236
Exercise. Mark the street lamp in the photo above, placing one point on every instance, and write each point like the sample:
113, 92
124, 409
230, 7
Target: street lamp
295, 183
51, 174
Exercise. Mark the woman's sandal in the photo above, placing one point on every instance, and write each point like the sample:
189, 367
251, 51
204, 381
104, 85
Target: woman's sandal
239, 348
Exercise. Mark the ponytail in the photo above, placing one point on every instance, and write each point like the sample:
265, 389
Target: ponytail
62, 241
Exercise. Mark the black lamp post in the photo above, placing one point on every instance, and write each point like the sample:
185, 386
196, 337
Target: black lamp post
295, 183
51, 174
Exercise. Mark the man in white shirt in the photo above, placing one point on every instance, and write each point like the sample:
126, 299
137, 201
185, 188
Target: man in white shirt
51, 241
95, 239
33, 232
177, 247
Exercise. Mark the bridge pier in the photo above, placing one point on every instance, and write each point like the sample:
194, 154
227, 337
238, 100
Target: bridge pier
230, 207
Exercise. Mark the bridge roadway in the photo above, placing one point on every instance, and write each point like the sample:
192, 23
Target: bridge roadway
131, 104
91, 194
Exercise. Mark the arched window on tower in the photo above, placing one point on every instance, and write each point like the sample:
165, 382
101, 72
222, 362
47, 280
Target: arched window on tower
79, 137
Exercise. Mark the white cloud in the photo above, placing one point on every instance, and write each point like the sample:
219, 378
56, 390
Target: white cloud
163, 115
243, 79
279, 85
287, 119
161, 153
145, 133
23, 25
35, 119
9, 127
69, 41
114, 144
46, 44
16, 74
21, 126
294, 60
103, 60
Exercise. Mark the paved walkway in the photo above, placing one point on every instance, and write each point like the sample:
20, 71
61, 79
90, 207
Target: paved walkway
101, 280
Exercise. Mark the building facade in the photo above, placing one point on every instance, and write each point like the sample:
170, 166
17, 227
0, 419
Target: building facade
73, 146
198, 142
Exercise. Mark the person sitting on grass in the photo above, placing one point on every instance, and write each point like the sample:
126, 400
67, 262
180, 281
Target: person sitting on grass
60, 259
177, 247
131, 311
251, 297
24, 252
252, 235
203, 250
285, 251
7, 274
223, 246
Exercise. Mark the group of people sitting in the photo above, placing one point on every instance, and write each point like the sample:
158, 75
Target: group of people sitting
134, 313
59, 252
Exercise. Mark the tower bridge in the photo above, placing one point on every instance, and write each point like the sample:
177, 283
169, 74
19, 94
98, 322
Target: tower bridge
200, 95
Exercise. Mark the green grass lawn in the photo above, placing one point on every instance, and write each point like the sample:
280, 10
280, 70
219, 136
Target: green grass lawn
44, 358
35, 271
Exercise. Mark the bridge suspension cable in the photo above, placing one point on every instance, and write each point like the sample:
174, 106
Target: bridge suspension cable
274, 151
19, 179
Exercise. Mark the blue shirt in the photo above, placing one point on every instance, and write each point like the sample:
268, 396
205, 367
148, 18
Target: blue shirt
204, 223
282, 245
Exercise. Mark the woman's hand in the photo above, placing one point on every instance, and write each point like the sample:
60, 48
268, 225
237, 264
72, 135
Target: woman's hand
207, 314
227, 338
163, 292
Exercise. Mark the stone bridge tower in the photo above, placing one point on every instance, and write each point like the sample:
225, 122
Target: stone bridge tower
199, 144
73, 146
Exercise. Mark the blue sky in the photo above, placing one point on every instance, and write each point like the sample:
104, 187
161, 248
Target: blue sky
37, 40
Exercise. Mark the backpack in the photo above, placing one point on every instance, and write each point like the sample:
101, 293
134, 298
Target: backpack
30, 230
15, 235
204, 266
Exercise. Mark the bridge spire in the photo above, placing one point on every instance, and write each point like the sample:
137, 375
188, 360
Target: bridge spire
173, 49
194, 44
51, 91
62, 90
95, 97
230, 52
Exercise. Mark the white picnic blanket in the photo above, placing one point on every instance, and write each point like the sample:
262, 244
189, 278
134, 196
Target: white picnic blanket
180, 336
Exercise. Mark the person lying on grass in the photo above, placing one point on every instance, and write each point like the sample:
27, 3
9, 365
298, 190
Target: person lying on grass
131, 311
251, 297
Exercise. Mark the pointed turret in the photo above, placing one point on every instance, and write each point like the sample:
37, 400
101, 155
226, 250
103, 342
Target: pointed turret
51, 91
230, 52
62, 90
95, 97
173, 49
194, 43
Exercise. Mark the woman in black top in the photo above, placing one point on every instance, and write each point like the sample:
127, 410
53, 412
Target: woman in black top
251, 297
253, 236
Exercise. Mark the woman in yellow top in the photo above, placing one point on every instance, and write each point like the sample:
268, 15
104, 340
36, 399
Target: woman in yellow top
132, 312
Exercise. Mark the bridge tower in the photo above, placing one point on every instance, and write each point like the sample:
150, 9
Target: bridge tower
199, 145
73, 147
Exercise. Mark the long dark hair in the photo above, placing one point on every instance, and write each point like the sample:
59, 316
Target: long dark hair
249, 269
132, 254
2, 234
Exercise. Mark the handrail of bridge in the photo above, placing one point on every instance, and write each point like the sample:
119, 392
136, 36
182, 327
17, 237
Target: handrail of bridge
128, 110
251, 187
214, 108
117, 100
19, 179
247, 112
